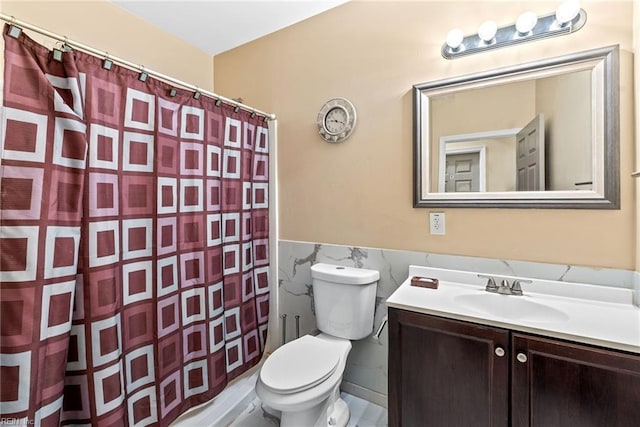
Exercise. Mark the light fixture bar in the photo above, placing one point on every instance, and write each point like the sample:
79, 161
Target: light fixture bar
547, 26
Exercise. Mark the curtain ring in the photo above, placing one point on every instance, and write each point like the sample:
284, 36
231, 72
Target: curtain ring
143, 74
107, 63
14, 30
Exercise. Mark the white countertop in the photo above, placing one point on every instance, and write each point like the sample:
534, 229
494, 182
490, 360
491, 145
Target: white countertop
597, 315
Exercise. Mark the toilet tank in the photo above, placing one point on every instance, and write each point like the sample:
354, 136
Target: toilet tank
345, 299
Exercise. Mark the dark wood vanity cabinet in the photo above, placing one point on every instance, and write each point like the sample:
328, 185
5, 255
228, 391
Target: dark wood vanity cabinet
444, 372
557, 383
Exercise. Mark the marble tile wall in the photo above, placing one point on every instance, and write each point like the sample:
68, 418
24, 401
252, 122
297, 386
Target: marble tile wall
367, 363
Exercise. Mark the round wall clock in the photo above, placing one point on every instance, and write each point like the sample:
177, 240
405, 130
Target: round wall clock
336, 120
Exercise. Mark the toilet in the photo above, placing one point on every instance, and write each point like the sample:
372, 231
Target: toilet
301, 379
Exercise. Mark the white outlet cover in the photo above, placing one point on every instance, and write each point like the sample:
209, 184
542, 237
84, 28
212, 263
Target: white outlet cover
436, 223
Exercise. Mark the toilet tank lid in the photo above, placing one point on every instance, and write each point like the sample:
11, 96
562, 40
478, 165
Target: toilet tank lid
346, 275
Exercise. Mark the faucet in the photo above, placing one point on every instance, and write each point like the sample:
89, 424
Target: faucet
504, 288
515, 287
491, 283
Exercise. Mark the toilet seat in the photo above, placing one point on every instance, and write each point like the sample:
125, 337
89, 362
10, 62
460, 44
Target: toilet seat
299, 365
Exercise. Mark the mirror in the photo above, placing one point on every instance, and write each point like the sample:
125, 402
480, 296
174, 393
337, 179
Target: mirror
538, 135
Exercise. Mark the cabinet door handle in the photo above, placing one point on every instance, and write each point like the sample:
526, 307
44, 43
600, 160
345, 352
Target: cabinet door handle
522, 358
499, 351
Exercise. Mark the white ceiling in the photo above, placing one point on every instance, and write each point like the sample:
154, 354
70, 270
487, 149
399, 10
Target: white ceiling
216, 26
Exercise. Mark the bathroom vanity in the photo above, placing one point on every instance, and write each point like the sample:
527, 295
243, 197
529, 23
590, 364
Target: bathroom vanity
567, 355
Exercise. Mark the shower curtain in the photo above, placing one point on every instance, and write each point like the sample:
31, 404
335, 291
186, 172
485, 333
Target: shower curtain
133, 241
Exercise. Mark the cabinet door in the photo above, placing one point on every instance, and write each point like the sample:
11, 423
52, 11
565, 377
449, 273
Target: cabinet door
566, 384
446, 373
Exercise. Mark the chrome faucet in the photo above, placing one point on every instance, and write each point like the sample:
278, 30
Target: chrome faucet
504, 288
515, 287
491, 283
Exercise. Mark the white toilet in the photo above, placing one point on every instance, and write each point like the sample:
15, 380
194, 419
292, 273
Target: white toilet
301, 379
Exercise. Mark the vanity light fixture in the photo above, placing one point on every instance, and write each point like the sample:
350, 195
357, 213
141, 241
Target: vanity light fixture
526, 22
454, 38
567, 11
487, 31
568, 18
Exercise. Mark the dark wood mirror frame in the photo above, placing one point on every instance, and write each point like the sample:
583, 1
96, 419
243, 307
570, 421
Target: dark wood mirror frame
608, 197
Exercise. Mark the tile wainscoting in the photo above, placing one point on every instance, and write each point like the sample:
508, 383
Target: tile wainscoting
366, 372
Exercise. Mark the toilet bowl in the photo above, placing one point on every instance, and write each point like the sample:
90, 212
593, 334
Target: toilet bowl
301, 379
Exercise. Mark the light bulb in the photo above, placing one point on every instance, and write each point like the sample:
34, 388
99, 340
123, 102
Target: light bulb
526, 22
454, 38
487, 31
567, 10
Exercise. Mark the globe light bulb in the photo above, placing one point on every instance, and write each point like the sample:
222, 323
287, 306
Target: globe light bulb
454, 38
487, 31
567, 10
526, 22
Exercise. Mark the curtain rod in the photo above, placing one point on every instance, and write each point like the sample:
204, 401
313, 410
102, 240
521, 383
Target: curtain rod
21, 24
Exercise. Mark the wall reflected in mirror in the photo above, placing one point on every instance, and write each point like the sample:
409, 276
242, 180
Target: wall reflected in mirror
484, 134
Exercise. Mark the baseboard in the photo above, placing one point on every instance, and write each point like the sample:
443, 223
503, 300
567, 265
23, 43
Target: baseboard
364, 393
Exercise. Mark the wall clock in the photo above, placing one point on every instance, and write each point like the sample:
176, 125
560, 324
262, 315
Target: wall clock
336, 120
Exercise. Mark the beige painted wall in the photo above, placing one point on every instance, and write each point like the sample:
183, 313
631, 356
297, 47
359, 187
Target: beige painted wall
360, 192
102, 25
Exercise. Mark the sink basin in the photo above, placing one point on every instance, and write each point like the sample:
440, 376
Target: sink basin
510, 307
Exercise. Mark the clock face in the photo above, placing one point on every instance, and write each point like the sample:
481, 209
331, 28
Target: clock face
336, 120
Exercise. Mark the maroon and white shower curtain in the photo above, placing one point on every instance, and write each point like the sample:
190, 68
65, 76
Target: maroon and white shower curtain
134, 243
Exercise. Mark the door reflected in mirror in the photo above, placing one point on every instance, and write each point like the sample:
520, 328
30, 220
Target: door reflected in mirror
542, 134
550, 151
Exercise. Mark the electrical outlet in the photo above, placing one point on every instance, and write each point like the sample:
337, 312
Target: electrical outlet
436, 223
